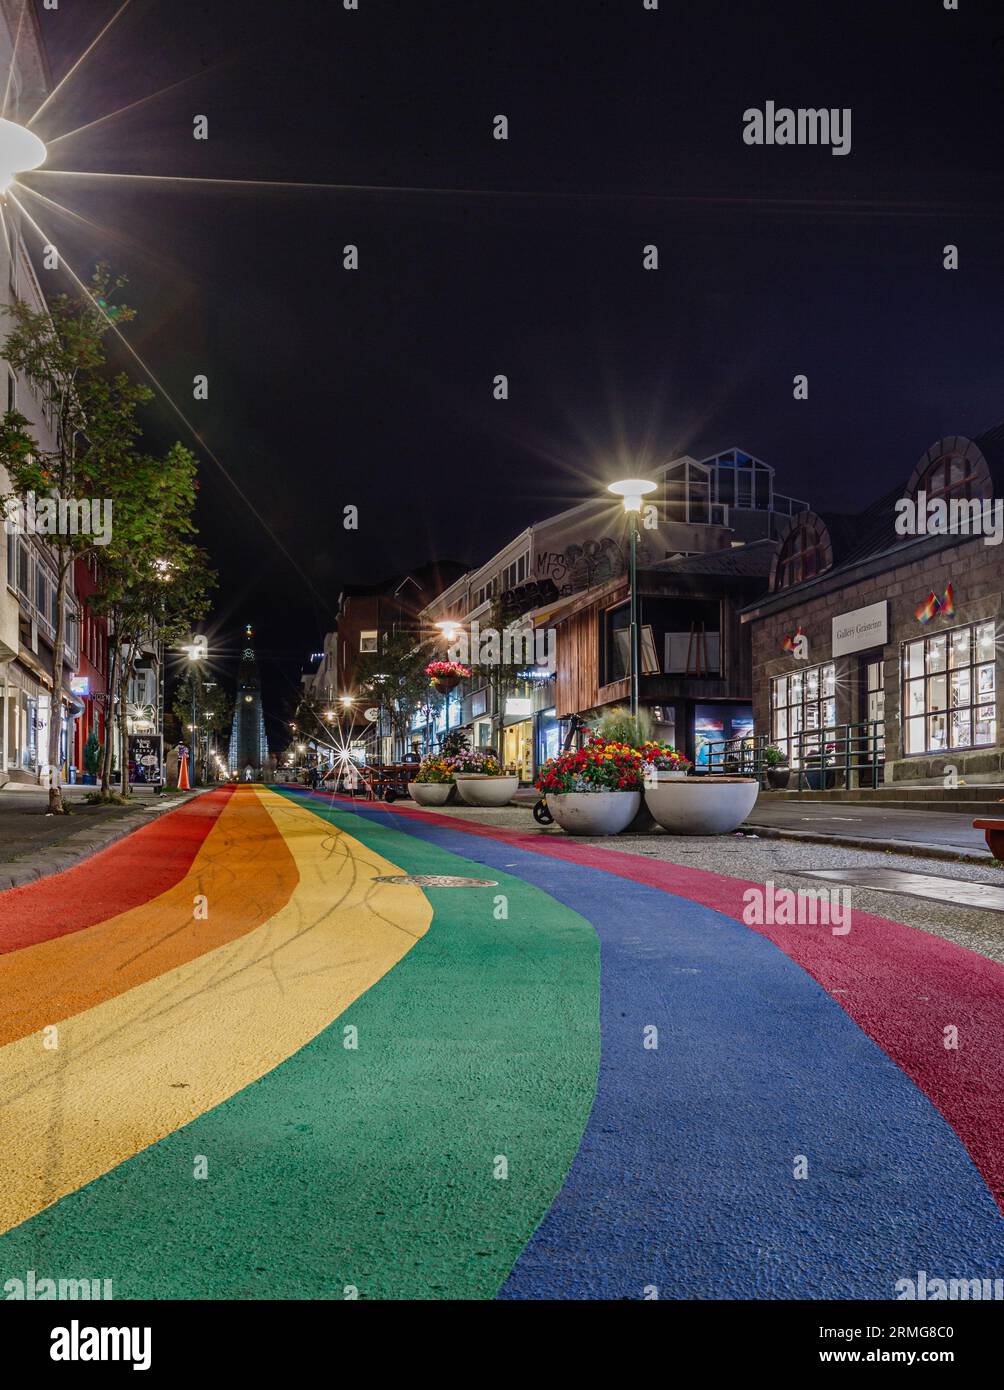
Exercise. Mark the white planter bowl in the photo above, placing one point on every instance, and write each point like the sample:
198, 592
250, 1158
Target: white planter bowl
478, 790
702, 805
660, 776
594, 813
430, 793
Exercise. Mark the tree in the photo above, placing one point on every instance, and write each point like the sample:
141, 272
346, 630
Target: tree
498, 673
159, 589
397, 677
60, 350
92, 754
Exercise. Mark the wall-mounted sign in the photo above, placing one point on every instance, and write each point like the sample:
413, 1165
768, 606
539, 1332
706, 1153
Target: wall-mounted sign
79, 685
861, 629
518, 709
372, 714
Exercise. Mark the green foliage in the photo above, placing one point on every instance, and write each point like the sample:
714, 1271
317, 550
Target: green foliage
92, 754
436, 770
454, 743
396, 675
619, 725
774, 756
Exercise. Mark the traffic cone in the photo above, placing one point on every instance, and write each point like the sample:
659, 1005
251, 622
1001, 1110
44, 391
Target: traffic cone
183, 783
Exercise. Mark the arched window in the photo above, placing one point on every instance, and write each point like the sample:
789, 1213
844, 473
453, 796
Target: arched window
805, 552
951, 468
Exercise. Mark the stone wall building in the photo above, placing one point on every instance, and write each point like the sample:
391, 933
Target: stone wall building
878, 642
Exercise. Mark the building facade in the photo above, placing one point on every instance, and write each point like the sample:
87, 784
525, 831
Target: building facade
248, 759
876, 650
562, 580
28, 701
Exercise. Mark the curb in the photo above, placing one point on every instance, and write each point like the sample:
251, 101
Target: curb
912, 847
83, 844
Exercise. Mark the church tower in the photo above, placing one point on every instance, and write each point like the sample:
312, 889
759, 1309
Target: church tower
248, 745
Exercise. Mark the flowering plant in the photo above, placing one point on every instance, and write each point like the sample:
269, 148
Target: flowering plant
434, 770
481, 760
447, 668
663, 757
601, 766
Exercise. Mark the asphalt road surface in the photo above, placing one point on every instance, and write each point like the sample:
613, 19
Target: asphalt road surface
253, 1052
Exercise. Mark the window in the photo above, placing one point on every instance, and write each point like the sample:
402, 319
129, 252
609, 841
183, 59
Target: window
803, 555
953, 476
11, 391
11, 563
368, 641
802, 703
949, 690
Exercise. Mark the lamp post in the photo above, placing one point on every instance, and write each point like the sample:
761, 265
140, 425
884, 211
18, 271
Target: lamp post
450, 629
632, 490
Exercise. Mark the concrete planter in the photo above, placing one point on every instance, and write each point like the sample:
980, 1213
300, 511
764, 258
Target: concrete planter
594, 813
670, 776
476, 789
702, 805
430, 793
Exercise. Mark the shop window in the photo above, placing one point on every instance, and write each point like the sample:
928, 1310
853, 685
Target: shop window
803, 707
949, 688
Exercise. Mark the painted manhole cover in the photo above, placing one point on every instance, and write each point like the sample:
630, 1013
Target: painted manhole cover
437, 881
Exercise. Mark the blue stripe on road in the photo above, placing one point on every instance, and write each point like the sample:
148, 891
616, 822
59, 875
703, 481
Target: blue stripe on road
684, 1181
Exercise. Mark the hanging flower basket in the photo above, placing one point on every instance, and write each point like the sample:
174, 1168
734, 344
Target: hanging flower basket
445, 675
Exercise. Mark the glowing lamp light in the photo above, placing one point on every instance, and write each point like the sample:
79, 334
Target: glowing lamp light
450, 629
20, 150
632, 490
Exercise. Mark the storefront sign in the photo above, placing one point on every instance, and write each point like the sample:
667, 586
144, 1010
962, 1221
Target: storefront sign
79, 685
861, 629
518, 709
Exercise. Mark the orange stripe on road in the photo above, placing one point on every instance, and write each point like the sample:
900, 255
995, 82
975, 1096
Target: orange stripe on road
244, 873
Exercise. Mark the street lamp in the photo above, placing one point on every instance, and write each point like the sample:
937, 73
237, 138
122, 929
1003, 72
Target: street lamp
20, 150
197, 650
632, 490
450, 628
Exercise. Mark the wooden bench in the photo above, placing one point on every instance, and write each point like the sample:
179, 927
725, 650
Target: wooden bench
994, 832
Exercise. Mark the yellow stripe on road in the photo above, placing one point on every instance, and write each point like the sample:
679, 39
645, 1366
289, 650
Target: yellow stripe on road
131, 1070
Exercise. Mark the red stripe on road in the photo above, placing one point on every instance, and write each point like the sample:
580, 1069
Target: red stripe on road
127, 873
902, 986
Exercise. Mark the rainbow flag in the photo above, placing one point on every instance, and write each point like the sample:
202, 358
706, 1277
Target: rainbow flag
927, 610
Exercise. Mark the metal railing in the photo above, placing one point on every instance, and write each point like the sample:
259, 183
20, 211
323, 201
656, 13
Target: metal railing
840, 755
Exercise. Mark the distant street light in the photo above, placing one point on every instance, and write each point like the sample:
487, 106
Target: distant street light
632, 490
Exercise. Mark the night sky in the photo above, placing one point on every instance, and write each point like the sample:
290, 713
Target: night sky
525, 257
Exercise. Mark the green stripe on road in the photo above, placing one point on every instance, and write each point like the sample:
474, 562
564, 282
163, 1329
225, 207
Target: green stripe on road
371, 1168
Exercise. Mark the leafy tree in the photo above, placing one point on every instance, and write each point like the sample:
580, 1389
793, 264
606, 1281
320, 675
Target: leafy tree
61, 351
498, 674
397, 677
92, 754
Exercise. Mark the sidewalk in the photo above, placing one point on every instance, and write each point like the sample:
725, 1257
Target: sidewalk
34, 844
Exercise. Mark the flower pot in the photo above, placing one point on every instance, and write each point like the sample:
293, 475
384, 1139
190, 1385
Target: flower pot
594, 813
430, 793
444, 684
778, 778
478, 789
702, 805
660, 776
820, 778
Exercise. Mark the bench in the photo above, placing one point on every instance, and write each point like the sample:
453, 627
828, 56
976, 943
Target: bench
994, 832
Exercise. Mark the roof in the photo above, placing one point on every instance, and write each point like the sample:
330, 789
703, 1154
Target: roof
752, 561
869, 538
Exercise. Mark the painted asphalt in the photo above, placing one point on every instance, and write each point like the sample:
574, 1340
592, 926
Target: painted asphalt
325, 1084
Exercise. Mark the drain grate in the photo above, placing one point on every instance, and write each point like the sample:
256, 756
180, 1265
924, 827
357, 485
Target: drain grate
437, 881
961, 892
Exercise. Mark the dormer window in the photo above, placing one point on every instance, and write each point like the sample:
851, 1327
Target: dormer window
805, 552
952, 469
